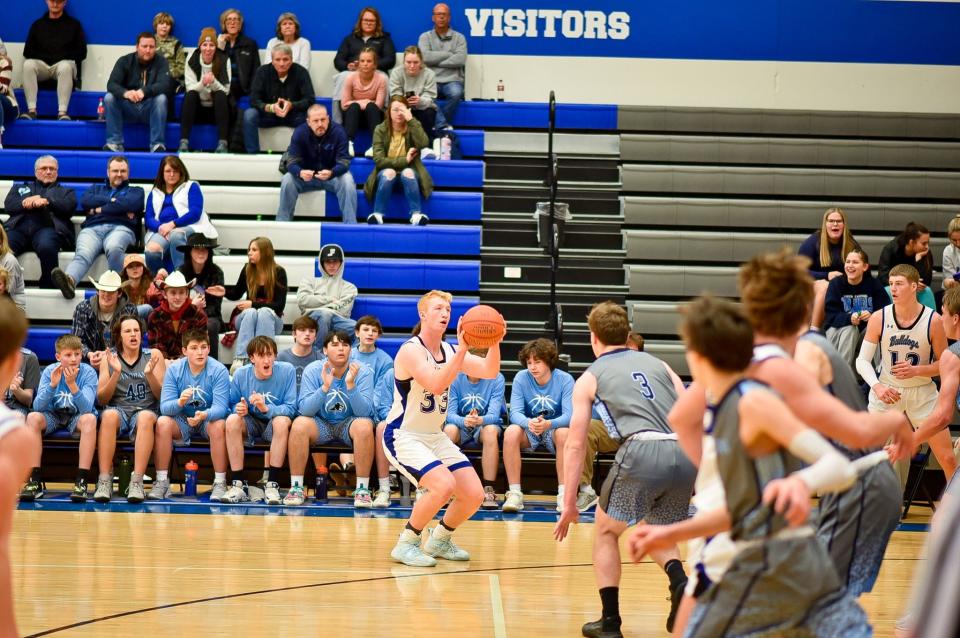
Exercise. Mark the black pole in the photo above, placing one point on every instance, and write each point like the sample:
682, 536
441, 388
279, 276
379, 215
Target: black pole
554, 321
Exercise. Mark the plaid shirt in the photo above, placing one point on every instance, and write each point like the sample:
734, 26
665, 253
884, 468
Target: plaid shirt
162, 335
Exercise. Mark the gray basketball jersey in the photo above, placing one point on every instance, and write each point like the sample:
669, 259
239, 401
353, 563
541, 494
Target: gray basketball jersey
634, 393
133, 392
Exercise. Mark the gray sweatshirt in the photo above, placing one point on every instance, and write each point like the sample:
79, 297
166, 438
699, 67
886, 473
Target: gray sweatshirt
445, 55
423, 85
331, 292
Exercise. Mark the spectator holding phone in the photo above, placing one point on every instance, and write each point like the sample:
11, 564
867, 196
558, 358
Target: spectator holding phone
418, 86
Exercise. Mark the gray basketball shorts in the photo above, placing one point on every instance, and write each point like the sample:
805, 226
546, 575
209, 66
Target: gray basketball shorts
651, 480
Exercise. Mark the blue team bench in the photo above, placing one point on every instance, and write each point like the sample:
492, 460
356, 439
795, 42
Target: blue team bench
18, 163
92, 134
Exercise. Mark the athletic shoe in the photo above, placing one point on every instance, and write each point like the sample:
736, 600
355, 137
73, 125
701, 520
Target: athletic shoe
427, 153
104, 491
63, 117
368, 152
350, 149
513, 501
271, 493
409, 553
113, 148
362, 498
184, 146
31, 491
676, 595
382, 498
135, 492
443, 548
341, 482
222, 147
294, 496
238, 363
218, 492
160, 490
595, 630
394, 483
489, 499
419, 219
235, 494
375, 218
560, 503
419, 494
62, 281
79, 493
28, 115
158, 148
586, 499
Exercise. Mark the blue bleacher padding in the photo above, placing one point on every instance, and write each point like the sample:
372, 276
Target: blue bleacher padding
441, 206
43, 341
535, 115
411, 274
437, 240
401, 312
449, 174
83, 104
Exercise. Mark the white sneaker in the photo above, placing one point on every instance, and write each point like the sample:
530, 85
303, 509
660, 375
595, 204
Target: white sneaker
368, 152
513, 501
362, 498
218, 492
236, 365
489, 499
104, 490
408, 552
419, 219
294, 496
271, 493
445, 548
375, 218
382, 499
350, 148
586, 499
427, 153
420, 492
160, 490
235, 494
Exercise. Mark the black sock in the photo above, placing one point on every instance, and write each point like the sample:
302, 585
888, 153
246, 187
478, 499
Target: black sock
413, 529
35, 474
272, 474
674, 569
447, 527
82, 474
487, 483
610, 599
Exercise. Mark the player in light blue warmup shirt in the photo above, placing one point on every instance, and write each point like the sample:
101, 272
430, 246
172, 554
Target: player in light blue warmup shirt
368, 330
193, 402
65, 400
264, 396
541, 403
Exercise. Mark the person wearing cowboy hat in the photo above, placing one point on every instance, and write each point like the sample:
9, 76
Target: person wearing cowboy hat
94, 318
174, 317
198, 265
139, 285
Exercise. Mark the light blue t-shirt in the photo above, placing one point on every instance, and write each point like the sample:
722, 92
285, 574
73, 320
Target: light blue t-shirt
61, 400
485, 396
337, 403
553, 401
211, 390
279, 390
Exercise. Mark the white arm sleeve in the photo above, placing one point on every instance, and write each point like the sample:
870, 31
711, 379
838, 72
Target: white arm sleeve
865, 363
873, 459
829, 471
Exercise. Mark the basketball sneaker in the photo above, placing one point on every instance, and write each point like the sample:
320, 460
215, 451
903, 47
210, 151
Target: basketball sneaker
340, 479
236, 493
33, 489
586, 499
271, 493
135, 492
596, 629
382, 498
513, 501
104, 491
443, 548
294, 496
676, 595
489, 499
218, 492
362, 498
160, 490
79, 493
407, 551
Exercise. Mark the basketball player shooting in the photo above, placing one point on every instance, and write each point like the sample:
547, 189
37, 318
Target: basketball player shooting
414, 441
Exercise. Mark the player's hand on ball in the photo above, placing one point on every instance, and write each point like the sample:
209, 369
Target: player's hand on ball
569, 515
790, 497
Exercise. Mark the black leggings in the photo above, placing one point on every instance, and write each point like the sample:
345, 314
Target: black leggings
192, 108
351, 118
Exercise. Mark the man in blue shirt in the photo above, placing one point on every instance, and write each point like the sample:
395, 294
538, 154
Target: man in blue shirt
193, 402
264, 396
334, 405
541, 403
318, 159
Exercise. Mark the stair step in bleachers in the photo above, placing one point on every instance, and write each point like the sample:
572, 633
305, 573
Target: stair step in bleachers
779, 151
780, 214
776, 181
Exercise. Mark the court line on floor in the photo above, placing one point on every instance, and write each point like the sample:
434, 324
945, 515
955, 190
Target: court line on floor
496, 600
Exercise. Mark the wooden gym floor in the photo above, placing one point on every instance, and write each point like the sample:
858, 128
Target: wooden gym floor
103, 572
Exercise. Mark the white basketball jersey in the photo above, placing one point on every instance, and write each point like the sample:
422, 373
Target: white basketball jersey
908, 343
414, 408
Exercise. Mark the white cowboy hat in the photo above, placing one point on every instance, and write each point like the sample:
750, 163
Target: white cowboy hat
109, 282
176, 280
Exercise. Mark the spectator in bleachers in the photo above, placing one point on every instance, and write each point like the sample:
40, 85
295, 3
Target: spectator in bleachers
23, 387
318, 159
417, 85
40, 216
364, 96
445, 53
65, 399
367, 331
137, 91
139, 285
129, 385
208, 91
9, 109
264, 284
541, 404
208, 288
113, 211
171, 49
851, 300
288, 32
335, 405
951, 256
263, 399
367, 33
175, 317
328, 299
95, 317
911, 247
173, 212
5, 283
302, 353
474, 418
281, 94
396, 154
8, 261
193, 403
826, 257
54, 49
241, 50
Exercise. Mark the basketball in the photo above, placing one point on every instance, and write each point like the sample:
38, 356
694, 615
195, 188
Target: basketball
482, 327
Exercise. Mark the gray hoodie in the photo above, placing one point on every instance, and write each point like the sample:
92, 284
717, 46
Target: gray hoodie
329, 291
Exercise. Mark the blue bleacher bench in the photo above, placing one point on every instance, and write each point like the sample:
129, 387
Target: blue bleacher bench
361, 238
411, 274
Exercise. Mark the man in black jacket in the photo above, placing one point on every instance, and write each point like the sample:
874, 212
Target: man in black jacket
137, 91
55, 47
281, 94
113, 210
40, 216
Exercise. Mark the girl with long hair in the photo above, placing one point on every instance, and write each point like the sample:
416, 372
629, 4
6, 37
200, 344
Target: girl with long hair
264, 283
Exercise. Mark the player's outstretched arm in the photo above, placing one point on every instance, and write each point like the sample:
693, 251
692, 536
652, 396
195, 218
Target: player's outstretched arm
646, 538
943, 412
487, 367
584, 391
409, 363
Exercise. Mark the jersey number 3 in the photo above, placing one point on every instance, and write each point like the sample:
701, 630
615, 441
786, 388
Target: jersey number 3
645, 388
429, 403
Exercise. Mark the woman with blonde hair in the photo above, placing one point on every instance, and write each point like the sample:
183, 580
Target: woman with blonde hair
288, 32
264, 284
827, 257
8, 261
951, 255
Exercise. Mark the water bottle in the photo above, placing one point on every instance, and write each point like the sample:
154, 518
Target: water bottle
190, 483
320, 493
126, 468
445, 146
100, 111
500, 91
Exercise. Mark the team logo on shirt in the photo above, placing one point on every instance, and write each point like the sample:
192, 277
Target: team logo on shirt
336, 401
63, 403
198, 401
544, 405
474, 401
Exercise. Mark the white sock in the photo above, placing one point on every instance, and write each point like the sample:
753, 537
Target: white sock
219, 476
587, 488
162, 475
363, 483
440, 532
296, 480
106, 476
408, 536
515, 487
559, 491
384, 483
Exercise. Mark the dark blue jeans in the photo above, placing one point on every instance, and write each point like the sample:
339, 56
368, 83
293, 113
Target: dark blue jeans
254, 120
43, 240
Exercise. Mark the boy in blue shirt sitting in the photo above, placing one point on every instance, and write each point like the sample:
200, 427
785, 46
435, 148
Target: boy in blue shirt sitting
368, 330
